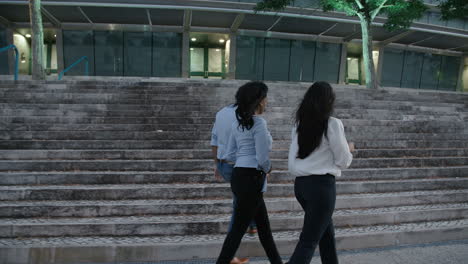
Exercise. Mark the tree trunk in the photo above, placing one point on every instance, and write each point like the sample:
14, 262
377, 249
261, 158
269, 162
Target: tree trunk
371, 81
38, 72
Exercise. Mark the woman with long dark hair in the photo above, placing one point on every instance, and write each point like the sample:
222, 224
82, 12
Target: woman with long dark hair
318, 153
249, 146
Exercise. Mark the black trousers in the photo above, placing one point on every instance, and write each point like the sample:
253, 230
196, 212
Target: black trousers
317, 196
246, 184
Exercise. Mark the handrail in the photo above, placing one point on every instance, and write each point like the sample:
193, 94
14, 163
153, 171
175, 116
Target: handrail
16, 60
73, 65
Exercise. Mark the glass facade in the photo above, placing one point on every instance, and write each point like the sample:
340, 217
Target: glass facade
77, 44
108, 53
411, 74
4, 55
167, 54
117, 53
137, 53
286, 60
410, 69
249, 59
277, 54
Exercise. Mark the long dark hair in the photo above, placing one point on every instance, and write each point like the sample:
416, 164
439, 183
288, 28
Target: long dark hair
312, 117
248, 98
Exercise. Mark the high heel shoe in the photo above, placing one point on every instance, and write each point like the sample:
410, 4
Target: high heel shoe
237, 260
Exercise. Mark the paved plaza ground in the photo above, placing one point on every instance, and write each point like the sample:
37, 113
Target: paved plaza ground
452, 252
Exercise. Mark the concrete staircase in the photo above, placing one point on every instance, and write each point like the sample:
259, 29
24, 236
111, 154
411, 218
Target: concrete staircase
120, 170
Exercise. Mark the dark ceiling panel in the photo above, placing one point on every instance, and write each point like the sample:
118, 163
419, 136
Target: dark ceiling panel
302, 26
344, 30
212, 19
258, 22
414, 37
167, 17
17, 13
115, 15
444, 42
67, 14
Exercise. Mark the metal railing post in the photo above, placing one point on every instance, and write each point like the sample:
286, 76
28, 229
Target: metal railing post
60, 76
16, 60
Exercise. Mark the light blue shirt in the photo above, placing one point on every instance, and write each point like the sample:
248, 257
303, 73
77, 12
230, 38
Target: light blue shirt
250, 148
222, 129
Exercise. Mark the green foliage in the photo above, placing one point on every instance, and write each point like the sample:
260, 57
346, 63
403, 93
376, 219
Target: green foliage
401, 13
275, 5
348, 6
453, 9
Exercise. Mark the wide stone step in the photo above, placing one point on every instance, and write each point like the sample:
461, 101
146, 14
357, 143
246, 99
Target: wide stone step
205, 144
209, 191
206, 176
99, 208
156, 248
203, 109
173, 225
124, 154
190, 135
280, 100
201, 164
14, 110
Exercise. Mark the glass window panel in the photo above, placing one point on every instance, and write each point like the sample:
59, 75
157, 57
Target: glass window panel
249, 58
4, 55
435, 18
215, 60
327, 62
276, 67
167, 54
301, 67
392, 67
137, 53
353, 68
197, 59
108, 49
307, 3
412, 69
448, 77
456, 23
77, 44
430, 72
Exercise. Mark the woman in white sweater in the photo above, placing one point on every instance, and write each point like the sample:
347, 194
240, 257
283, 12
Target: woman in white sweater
318, 153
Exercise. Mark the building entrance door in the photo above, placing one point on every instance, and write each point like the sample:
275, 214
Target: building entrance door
353, 72
207, 63
208, 55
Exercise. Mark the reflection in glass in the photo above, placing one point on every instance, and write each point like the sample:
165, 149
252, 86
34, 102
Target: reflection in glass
197, 59
412, 69
430, 71
449, 74
392, 67
215, 60
108, 48
77, 44
327, 62
277, 53
167, 54
137, 53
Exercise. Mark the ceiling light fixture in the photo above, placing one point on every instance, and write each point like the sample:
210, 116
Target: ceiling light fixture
28, 35
194, 39
221, 41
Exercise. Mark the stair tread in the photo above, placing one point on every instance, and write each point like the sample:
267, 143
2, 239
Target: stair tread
64, 203
286, 235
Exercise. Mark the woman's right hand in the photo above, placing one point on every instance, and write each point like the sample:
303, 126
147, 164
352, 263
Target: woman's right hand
351, 146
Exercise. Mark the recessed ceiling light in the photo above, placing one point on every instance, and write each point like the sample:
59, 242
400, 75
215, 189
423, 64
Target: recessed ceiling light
221, 41
28, 35
191, 48
55, 35
217, 49
194, 39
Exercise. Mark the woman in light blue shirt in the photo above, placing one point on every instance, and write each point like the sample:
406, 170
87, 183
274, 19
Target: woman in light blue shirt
249, 147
